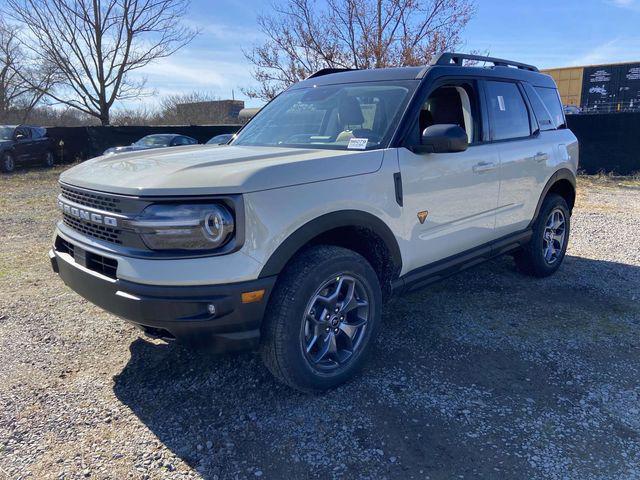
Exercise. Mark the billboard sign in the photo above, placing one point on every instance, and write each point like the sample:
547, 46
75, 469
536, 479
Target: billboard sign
611, 88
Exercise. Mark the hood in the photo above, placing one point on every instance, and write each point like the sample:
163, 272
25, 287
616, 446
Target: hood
128, 148
209, 169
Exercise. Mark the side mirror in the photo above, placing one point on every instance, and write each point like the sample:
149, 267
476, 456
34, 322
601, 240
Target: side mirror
442, 139
20, 136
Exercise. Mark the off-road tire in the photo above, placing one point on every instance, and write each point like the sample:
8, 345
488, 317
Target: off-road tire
281, 347
530, 260
7, 162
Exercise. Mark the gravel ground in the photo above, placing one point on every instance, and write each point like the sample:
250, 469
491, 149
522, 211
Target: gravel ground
487, 375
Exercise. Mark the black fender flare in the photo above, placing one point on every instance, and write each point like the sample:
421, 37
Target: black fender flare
562, 174
324, 223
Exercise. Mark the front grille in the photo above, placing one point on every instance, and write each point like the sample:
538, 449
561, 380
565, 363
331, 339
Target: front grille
104, 265
113, 235
93, 200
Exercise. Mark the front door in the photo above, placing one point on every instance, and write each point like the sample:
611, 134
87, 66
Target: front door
450, 199
22, 146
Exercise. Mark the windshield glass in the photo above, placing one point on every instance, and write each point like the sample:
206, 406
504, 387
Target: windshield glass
154, 141
348, 116
6, 133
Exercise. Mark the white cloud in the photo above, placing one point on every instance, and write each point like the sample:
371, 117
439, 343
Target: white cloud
616, 50
630, 4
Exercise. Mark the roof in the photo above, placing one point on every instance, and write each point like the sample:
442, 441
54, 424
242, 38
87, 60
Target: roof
366, 75
445, 65
419, 73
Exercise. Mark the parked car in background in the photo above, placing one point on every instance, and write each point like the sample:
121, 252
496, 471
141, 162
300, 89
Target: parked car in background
572, 110
158, 140
24, 145
220, 139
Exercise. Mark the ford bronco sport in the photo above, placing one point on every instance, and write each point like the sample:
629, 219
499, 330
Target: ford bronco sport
350, 187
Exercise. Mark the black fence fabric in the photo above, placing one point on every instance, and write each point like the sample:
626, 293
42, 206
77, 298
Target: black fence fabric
82, 143
608, 142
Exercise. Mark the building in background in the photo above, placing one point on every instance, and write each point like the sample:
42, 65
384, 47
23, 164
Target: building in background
599, 88
210, 112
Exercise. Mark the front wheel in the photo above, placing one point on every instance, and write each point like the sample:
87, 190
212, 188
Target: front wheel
322, 319
546, 249
8, 163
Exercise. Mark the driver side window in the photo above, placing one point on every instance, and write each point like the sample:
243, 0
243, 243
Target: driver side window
22, 133
451, 105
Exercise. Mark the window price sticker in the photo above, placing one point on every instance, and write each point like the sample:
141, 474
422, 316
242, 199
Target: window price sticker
357, 143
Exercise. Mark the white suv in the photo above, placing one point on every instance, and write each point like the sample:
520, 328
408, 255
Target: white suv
348, 188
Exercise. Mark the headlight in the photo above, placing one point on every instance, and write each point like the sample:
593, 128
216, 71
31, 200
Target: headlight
185, 227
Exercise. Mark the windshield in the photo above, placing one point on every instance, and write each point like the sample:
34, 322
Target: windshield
349, 116
154, 141
6, 133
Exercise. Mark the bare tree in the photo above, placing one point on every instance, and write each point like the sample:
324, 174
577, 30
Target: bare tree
95, 45
132, 116
18, 97
303, 37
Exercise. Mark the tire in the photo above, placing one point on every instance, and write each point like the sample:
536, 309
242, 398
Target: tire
303, 305
544, 253
8, 163
49, 159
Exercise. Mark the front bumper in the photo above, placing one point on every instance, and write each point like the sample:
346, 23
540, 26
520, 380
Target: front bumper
174, 312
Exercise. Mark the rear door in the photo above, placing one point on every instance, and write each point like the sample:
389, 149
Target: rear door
40, 143
523, 154
456, 192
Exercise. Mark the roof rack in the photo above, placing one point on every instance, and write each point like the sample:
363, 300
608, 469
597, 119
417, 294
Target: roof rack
329, 71
457, 59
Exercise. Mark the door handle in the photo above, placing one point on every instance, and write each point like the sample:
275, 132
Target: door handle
484, 167
541, 157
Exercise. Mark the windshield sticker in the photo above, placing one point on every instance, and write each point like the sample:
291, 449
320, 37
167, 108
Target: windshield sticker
357, 143
501, 104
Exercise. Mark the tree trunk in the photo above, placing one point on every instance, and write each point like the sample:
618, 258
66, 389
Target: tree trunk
104, 117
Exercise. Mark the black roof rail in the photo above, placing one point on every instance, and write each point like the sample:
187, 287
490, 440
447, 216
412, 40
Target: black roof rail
329, 71
457, 59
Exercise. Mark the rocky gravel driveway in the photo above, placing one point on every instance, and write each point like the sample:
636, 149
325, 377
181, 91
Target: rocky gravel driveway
487, 375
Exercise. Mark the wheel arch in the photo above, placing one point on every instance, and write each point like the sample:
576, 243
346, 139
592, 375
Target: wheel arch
357, 230
562, 182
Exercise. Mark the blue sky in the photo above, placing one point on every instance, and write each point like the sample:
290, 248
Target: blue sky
547, 33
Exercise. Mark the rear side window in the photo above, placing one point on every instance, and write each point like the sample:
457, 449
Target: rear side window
38, 132
508, 113
542, 114
551, 100
181, 141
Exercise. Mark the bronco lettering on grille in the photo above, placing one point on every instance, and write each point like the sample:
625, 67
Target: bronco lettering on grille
86, 215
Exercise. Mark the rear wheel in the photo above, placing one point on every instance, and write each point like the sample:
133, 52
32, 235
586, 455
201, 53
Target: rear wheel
546, 249
49, 159
8, 163
321, 319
